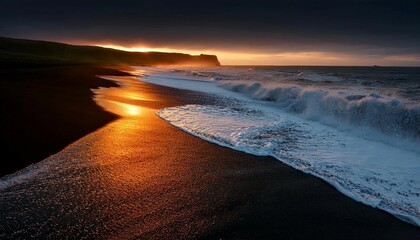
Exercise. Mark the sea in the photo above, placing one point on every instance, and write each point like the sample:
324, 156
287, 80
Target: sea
357, 128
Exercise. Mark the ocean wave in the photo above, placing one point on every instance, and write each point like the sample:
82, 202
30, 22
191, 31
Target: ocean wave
362, 109
346, 133
364, 170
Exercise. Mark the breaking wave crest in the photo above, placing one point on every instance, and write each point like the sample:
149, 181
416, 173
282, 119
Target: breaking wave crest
388, 115
360, 134
361, 169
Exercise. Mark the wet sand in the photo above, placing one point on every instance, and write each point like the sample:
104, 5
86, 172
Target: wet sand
45, 109
140, 178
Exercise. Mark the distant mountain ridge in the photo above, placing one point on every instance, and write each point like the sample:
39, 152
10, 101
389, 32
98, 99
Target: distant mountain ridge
33, 52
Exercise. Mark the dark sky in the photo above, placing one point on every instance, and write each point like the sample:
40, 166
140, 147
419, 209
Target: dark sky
351, 28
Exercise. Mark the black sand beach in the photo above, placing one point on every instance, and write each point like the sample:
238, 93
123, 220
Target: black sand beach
44, 109
175, 187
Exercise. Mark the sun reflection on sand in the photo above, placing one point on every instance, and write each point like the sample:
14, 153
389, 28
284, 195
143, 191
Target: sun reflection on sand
135, 96
131, 109
122, 109
125, 100
122, 170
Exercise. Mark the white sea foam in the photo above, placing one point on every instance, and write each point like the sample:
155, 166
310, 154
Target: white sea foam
357, 107
299, 124
327, 131
189, 83
364, 170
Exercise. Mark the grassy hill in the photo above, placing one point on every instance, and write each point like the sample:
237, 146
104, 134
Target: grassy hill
31, 52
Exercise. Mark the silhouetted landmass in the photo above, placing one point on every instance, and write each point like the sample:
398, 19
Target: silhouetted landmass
47, 102
24, 52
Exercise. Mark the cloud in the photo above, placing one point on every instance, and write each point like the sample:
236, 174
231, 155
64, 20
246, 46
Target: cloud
356, 27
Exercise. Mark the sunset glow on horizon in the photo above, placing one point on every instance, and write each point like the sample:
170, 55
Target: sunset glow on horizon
314, 58
304, 32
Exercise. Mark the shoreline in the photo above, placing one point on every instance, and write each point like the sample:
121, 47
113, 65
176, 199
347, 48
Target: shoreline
45, 109
191, 97
177, 186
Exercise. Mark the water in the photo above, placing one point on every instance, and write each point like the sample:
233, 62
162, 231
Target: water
123, 181
358, 128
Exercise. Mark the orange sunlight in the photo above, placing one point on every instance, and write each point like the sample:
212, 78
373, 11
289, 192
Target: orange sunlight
123, 101
252, 58
314, 58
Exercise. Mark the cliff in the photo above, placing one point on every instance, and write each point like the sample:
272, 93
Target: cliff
31, 52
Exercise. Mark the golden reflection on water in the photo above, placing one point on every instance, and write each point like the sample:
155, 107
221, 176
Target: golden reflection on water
117, 147
124, 100
122, 109
119, 175
131, 109
135, 96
